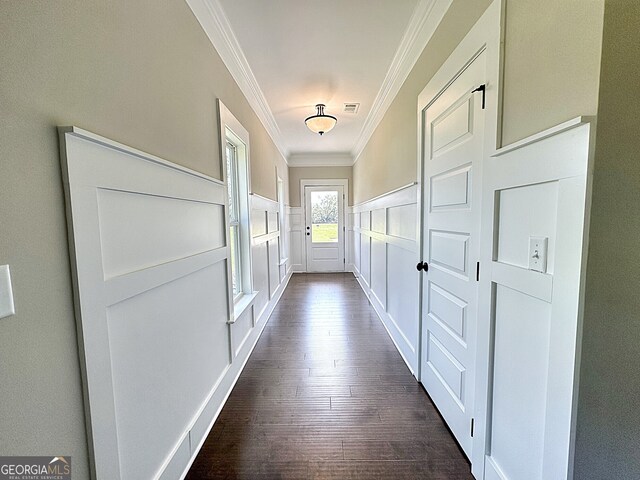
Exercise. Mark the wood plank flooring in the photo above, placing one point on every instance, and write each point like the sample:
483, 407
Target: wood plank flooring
325, 395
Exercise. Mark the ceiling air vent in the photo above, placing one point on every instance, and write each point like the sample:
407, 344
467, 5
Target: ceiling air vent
351, 107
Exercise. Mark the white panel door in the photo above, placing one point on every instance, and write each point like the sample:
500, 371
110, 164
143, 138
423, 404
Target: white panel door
324, 229
453, 147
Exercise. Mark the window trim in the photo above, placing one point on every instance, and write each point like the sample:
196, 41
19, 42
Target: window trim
232, 131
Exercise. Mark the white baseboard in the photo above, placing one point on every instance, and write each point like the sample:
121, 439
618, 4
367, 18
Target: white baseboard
387, 322
221, 393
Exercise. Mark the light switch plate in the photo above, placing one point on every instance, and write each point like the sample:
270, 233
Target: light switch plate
538, 254
7, 307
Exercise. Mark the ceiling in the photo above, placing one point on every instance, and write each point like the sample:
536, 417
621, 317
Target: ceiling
289, 55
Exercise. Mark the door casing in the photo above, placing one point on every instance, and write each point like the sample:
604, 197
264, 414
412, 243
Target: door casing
487, 35
325, 182
453, 169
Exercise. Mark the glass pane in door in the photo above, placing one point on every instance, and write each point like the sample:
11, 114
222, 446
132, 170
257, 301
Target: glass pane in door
324, 217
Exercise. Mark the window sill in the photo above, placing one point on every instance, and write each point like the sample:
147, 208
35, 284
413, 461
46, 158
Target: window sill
241, 306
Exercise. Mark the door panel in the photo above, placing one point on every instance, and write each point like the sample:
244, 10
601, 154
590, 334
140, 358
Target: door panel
453, 137
324, 229
451, 189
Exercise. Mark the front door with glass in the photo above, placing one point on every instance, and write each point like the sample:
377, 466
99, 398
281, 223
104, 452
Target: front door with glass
324, 228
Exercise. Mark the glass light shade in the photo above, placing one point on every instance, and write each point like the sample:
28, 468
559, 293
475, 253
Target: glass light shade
321, 123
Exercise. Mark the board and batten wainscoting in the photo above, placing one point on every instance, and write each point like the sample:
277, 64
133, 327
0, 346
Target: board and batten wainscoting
296, 224
159, 348
383, 255
531, 315
265, 254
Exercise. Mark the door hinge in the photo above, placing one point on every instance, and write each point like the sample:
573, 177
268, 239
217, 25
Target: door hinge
344, 260
472, 425
482, 88
477, 271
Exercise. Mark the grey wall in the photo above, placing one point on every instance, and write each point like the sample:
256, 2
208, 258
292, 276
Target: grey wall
308, 173
551, 70
608, 431
142, 73
388, 161
551, 63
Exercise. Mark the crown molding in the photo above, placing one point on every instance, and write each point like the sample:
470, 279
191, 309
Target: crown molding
425, 19
320, 160
216, 25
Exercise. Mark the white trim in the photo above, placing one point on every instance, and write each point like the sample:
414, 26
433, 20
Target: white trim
240, 138
324, 182
320, 159
263, 202
93, 137
91, 163
296, 248
403, 243
404, 196
400, 196
564, 154
228, 386
425, 19
244, 302
383, 195
216, 25
387, 321
549, 132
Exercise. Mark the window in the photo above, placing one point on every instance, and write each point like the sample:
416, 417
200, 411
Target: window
234, 140
324, 217
234, 219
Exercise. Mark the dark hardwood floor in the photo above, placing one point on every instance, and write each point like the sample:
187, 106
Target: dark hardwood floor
325, 395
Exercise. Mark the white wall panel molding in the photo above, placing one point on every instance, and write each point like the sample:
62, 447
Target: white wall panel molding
349, 246
265, 251
267, 237
404, 243
383, 252
539, 187
405, 195
296, 242
147, 244
258, 201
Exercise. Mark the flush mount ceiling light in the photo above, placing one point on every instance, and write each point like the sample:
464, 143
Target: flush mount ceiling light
320, 123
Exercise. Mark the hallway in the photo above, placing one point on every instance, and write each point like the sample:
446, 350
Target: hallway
326, 395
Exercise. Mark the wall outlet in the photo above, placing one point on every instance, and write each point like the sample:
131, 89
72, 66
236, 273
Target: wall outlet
538, 254
7, 307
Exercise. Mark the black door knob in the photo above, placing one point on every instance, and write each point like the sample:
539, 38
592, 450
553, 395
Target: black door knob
422, 266
308, 233
308, 228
